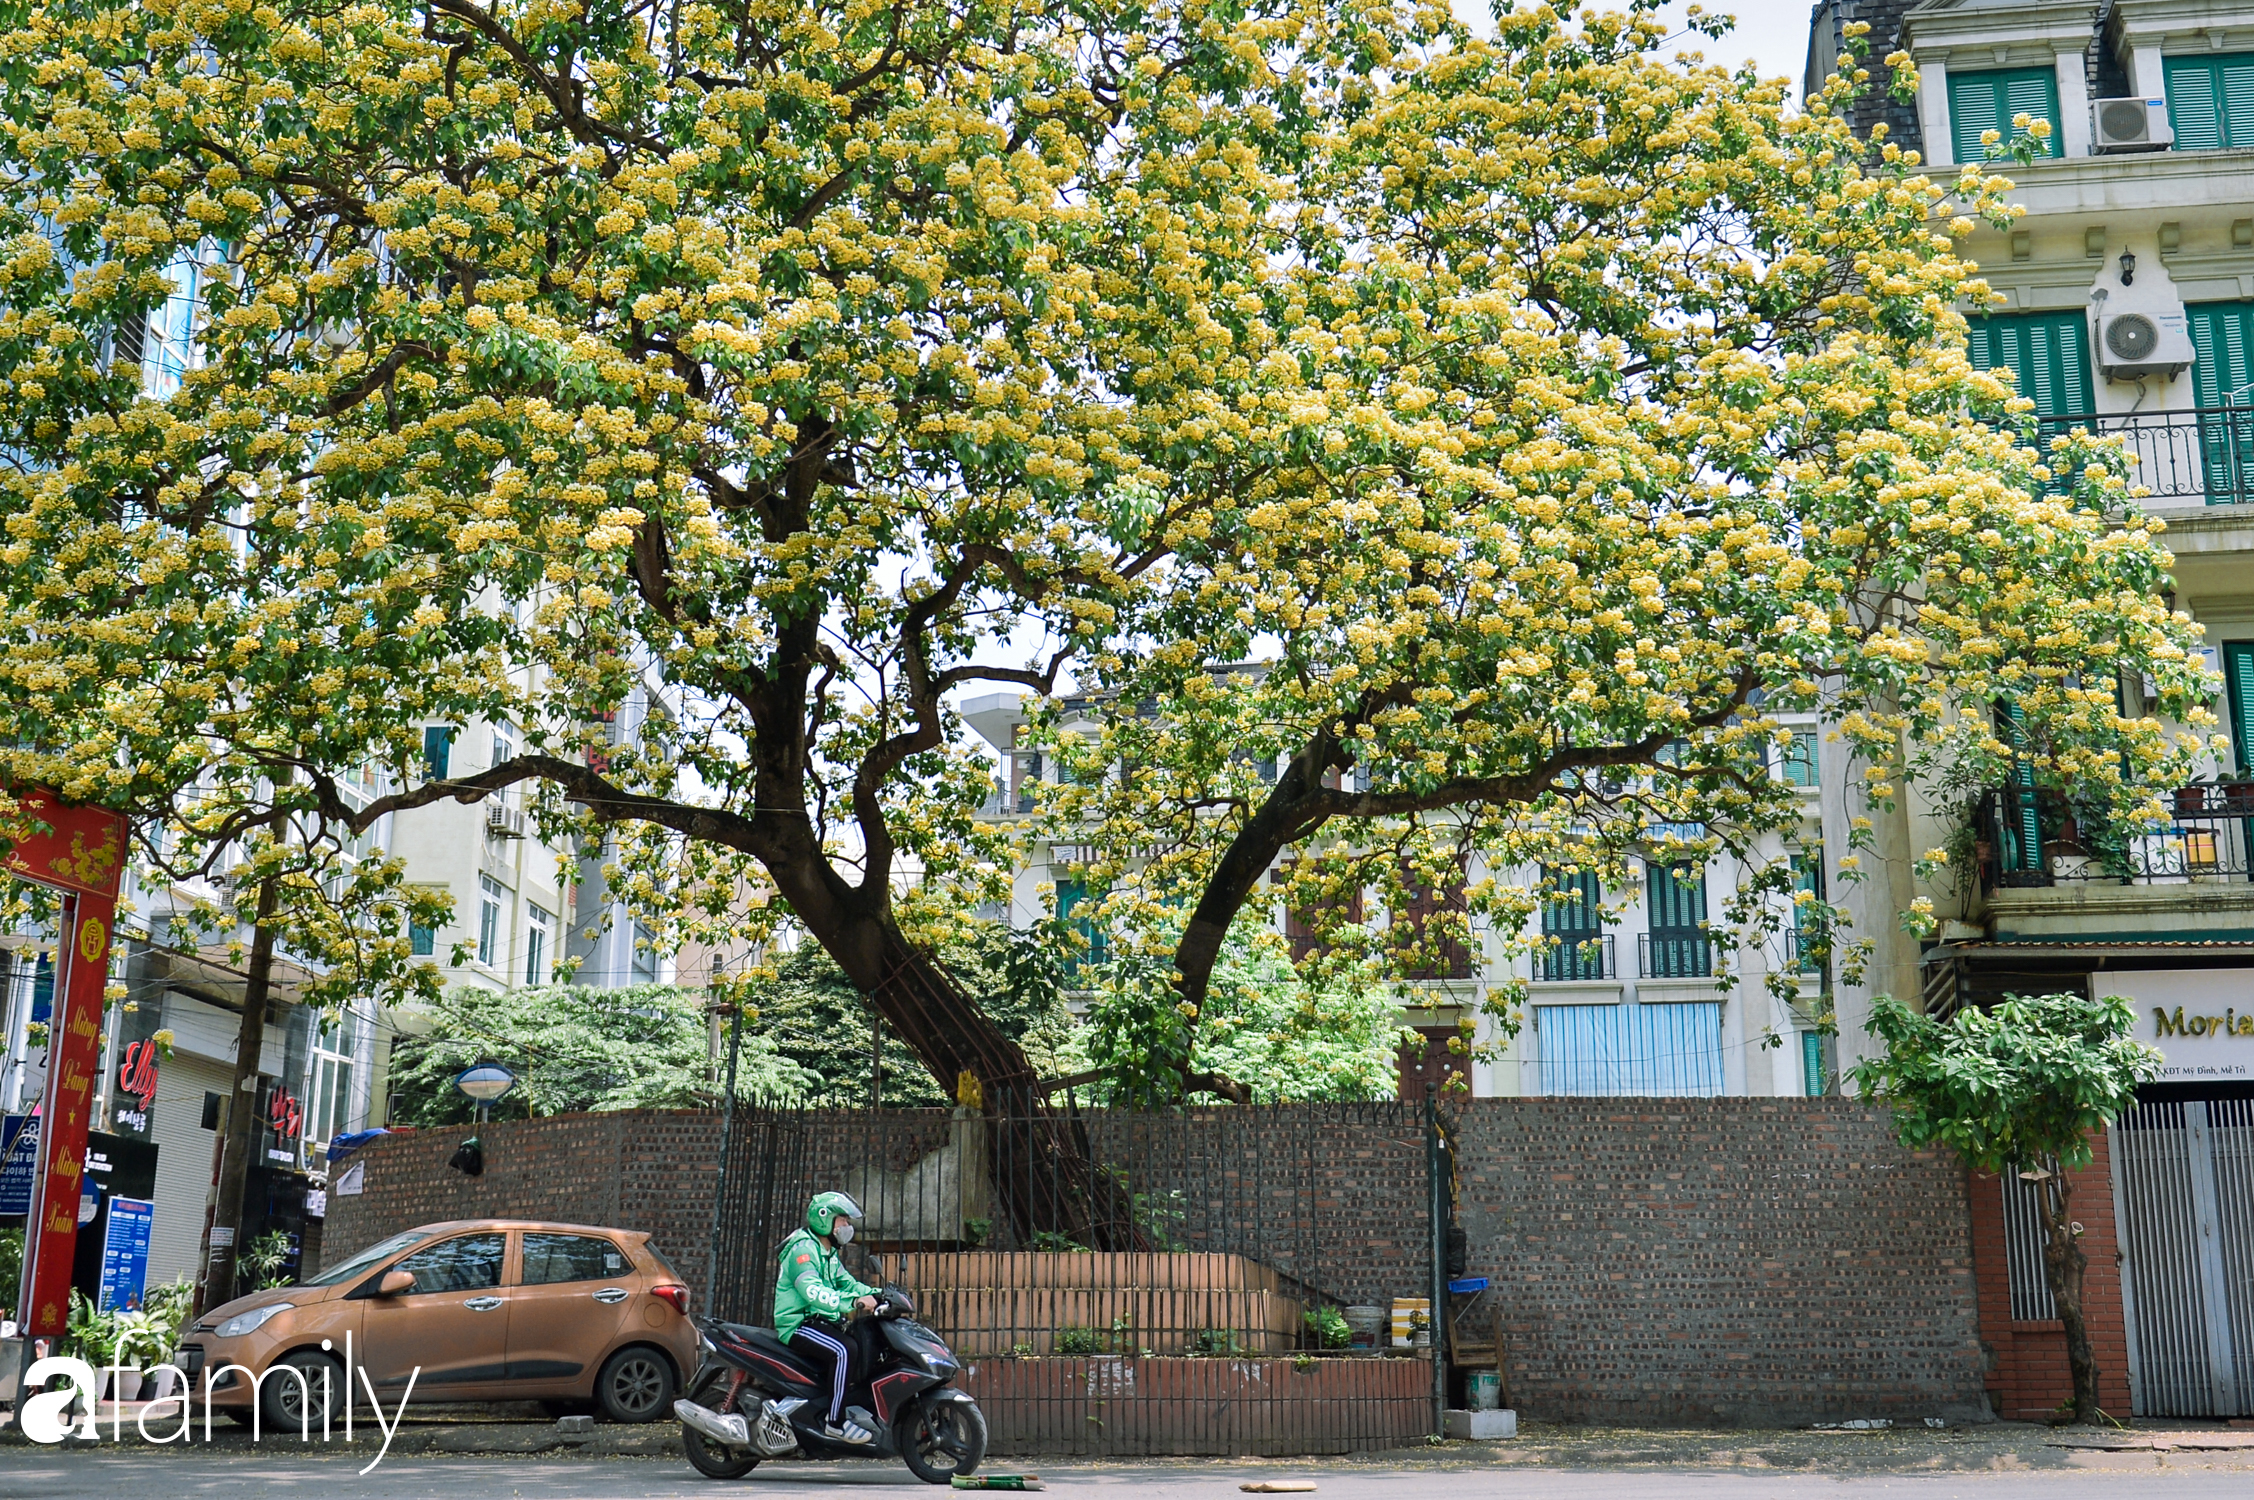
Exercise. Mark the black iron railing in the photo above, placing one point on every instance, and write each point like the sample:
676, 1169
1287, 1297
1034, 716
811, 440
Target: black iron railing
2203, 454
1676, 954
1577, 955
2033, 838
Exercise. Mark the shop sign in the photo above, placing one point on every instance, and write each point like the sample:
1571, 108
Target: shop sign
19, 1163
2201, 1020
137, 1084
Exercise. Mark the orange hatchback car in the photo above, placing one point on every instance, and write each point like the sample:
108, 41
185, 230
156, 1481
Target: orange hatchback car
475, 1310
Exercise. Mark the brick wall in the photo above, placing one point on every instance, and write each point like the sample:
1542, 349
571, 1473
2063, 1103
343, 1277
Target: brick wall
647, 1169
1720, 1261
2026, 1361
1714, 1261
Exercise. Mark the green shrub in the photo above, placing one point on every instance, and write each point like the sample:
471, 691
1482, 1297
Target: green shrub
1216, 1341
1079, 1341
1326, 1328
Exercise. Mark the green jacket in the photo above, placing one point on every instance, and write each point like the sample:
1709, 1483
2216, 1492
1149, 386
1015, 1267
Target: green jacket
810, 1282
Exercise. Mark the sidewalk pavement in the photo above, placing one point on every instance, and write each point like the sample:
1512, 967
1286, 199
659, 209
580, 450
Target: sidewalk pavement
517, 1431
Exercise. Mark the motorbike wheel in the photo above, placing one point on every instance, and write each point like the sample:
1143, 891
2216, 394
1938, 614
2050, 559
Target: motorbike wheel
940, 1439
711, 1459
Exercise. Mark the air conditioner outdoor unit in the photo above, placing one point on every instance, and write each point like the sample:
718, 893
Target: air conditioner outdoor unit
2130, 125
2132, 344
504, 822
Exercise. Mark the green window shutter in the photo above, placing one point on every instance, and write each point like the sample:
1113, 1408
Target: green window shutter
2048, 353
2211, 101
2222, 336
1986, 101
2238, 678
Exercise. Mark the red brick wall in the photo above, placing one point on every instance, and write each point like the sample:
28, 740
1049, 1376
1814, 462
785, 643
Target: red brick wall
2027, 1375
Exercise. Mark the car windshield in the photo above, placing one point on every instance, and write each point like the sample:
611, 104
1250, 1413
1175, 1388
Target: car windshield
381, 1250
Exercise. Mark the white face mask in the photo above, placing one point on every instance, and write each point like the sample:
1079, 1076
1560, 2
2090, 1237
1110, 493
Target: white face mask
842, 1231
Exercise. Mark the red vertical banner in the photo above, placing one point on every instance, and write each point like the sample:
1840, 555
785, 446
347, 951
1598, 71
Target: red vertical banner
82, 854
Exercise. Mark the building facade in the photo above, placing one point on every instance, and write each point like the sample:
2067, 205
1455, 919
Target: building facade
2128, 308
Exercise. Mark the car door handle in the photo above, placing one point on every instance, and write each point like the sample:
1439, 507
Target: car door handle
482, 1304
611, 1294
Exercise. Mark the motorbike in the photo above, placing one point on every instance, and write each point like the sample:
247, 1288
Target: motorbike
752, 1398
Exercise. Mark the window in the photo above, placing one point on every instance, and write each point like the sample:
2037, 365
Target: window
550, 1258
2047, 354
2211, 101
1642, 1051
536, 945
1798, 762
1676, 947
374, 1255
644, 956
470, 1263
2222, 336
504, 745
168, 335
2238, 683
1072, 896
490, 897
1980, 102
421, 941
1426, 909
1808, 880
1572, 917
438, 749
1815, 1079
328, 1083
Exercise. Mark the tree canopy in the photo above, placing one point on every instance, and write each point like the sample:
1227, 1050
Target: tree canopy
1549, 412
575, 1048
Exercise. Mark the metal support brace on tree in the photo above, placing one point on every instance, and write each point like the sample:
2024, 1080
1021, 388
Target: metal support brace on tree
1436, 1204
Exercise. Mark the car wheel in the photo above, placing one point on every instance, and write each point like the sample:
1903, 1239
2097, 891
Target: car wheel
288, 1405
636, 1385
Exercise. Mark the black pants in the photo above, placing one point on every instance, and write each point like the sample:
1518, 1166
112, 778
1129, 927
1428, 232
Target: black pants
842, 1351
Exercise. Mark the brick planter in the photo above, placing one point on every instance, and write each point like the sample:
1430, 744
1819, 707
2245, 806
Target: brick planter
1107, 1406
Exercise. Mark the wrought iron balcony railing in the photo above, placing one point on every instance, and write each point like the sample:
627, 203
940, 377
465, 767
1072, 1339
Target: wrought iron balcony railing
1675, 954
1577, 955
2203, 455
2032, 838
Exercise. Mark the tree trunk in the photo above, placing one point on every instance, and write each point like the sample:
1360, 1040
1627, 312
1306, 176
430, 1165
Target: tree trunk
2063, 1265
222, 1259
1045, 1176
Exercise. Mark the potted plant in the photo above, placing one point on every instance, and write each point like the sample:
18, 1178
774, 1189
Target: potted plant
2238, 794
2191, 801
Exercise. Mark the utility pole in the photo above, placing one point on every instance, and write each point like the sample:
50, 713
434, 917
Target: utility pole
221, 1252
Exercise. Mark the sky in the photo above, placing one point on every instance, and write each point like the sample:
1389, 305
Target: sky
1773, 34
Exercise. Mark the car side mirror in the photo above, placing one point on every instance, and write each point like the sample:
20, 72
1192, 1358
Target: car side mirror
395, 1282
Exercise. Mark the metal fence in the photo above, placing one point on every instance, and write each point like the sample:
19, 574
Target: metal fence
1084, 1261
2183, 1176
2023, 1252
2033, 839
2206, 454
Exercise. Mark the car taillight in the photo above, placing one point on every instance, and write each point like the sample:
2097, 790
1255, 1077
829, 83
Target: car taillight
677, 1296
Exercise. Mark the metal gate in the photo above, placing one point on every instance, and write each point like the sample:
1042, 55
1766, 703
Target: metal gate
2183, 1195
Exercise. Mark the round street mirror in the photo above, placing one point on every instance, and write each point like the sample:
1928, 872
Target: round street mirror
486, 1082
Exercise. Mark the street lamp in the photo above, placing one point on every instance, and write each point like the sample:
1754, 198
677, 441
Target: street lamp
485, 1083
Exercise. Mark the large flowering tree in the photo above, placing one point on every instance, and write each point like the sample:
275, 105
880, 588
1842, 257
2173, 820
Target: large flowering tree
1546, 400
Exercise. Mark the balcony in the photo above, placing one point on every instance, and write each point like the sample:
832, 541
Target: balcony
2031, 839
1576, 957
1674, 953
1800, 956
2203, 456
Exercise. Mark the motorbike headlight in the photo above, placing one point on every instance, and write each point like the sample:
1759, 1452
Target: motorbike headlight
249, 1322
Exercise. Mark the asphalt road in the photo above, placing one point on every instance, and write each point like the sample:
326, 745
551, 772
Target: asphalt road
54, 1475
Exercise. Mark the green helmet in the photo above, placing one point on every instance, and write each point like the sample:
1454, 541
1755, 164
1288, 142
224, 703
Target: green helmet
827, 1208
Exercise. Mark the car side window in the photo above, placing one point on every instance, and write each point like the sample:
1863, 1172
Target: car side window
470, 1263
550, 1258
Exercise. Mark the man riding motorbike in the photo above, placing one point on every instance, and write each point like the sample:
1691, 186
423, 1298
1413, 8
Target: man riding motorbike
814, 1294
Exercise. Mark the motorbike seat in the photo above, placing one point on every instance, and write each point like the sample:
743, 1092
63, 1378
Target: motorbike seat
762, 1341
